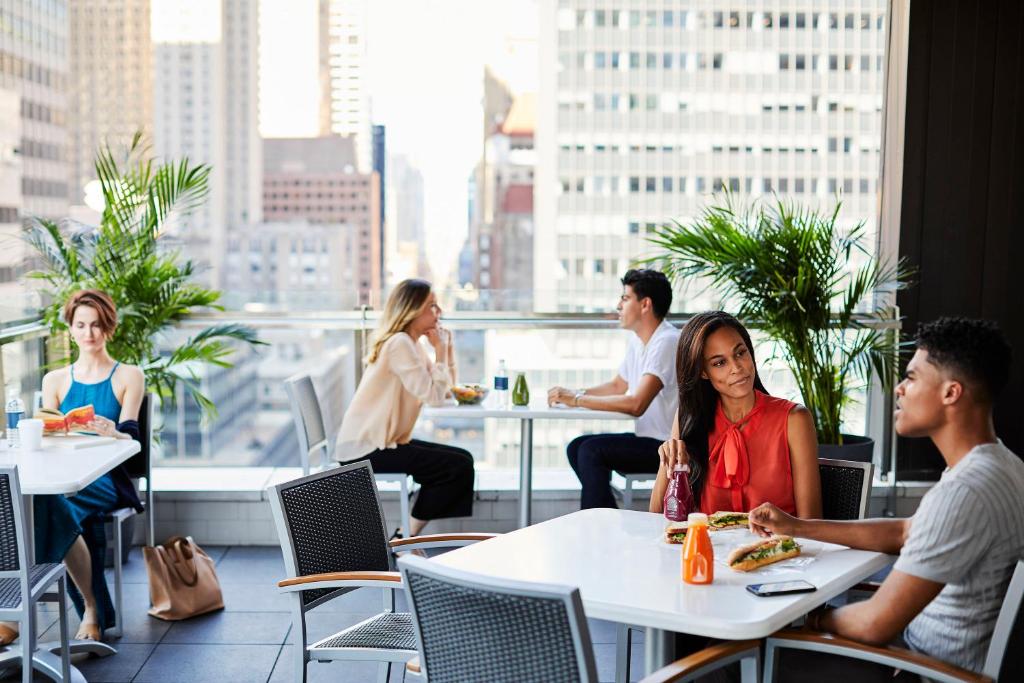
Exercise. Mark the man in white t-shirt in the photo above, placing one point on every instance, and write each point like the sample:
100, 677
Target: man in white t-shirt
958, 552
645, 387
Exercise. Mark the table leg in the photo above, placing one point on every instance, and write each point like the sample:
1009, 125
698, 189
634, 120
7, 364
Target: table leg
525, 471
659, 649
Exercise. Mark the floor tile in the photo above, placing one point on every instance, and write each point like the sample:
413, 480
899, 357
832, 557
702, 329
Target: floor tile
118, 668
246, 565
240, 628
173, 663
254, 597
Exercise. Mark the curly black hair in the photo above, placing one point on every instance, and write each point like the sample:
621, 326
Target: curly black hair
976, 350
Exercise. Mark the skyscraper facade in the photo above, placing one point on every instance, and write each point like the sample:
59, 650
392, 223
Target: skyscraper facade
652, 108
243, 148
343, 74
34, 65
111, 97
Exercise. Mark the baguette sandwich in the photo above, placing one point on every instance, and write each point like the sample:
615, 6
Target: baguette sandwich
761, 553
717, 521
675, 532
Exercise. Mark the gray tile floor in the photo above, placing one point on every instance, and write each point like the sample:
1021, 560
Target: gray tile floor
250, 641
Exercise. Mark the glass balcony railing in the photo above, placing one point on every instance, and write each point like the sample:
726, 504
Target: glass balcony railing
253, 425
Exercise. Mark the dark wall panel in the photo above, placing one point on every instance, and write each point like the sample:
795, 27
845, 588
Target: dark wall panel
963, 184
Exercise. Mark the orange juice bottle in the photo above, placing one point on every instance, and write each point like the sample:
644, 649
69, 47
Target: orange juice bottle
698, 555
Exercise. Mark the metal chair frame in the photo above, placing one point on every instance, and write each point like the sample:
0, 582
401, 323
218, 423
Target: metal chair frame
865, 490
903, 659
340, 583
309, 427
47, 662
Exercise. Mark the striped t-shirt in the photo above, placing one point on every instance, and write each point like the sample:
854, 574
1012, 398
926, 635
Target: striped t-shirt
968, 534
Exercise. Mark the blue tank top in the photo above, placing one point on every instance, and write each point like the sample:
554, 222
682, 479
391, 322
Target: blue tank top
99, 394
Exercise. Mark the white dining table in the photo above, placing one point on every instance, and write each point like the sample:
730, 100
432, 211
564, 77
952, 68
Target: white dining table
526, 415
64, 471
626, 573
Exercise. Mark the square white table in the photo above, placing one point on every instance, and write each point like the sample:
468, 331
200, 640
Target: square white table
627, 574
526, 415
64, 471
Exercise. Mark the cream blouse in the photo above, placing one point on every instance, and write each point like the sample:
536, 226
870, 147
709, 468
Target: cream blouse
388, 401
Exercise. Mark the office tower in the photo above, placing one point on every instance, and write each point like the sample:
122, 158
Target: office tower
649, 109
406, 256
111, 96
12, 249
316, 180
380, 168
206, 109
345, 102
34, 65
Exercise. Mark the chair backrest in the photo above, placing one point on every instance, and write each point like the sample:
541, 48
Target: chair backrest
1005, 658
845, 488
309, 421
331, 522
13, 552
474, 628
138, 466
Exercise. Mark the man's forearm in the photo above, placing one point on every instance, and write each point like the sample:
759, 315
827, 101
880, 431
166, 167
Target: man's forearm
880, 535
606, 389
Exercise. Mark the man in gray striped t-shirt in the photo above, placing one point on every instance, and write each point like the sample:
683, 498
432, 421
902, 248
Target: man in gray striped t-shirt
958, 552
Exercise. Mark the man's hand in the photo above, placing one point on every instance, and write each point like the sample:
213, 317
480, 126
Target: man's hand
768, 520
671, 452
561, 395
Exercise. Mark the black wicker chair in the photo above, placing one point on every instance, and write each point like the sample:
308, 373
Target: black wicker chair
19, 578
333, 541
475, 628
845, 488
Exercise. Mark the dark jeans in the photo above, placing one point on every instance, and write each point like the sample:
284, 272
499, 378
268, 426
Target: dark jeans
445, 475
594, 456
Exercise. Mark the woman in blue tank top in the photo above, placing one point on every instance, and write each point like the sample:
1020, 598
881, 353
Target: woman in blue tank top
71, 529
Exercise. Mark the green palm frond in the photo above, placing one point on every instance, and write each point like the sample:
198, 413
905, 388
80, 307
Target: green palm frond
790, 270
153, 286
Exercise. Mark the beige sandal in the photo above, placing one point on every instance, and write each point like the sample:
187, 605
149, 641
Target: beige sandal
89, 632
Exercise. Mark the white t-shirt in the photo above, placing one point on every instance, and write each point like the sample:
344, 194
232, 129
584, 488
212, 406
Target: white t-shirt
657, 358
968, 534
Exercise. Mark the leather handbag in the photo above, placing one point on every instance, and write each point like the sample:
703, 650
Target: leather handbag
182, 580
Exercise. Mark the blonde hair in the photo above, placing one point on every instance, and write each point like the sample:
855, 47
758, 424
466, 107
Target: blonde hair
404, 303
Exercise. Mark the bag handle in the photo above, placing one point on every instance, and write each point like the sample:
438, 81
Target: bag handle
181, 553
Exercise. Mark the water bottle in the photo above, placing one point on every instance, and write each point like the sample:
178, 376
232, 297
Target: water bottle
15, 410
501, 385
678, 503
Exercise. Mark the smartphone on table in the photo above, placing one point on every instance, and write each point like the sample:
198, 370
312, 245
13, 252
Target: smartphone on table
767, 590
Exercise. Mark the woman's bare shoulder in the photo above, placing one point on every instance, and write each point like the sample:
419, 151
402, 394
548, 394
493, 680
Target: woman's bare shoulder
56, 376
130, 374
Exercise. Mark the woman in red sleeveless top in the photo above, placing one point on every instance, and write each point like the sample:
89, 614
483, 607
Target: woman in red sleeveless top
744, 447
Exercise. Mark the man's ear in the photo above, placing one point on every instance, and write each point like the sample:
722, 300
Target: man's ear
952, 391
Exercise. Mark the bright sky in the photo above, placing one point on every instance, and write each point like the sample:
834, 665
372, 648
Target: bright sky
426, 64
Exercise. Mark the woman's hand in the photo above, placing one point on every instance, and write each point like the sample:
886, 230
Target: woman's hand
439, 338
103, 426
671, 452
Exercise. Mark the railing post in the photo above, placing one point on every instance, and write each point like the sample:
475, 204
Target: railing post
359, 344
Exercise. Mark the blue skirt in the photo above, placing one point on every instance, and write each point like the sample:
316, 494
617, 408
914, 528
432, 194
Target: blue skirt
60, 520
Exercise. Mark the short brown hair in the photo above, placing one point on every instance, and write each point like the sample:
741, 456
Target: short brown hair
106, 311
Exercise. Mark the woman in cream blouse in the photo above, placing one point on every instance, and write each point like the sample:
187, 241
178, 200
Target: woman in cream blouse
399, 378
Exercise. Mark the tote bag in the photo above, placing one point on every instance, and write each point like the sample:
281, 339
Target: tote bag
182, 580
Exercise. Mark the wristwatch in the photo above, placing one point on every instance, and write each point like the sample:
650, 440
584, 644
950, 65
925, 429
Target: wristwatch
576, 398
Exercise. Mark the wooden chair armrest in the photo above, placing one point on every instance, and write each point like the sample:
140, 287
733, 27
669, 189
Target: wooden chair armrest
392, 580
681, 668
413, 665
437, 541
899, 654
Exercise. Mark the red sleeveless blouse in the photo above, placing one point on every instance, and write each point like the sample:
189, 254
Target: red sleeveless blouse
748, 461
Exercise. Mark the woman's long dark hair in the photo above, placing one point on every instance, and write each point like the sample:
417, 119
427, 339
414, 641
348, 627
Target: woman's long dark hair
698, 400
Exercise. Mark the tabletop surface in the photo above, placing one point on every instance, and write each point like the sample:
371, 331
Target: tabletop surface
627, 573
538, 409
66, 471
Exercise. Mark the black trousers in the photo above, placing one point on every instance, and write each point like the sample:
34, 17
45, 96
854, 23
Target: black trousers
445, 475
594, 456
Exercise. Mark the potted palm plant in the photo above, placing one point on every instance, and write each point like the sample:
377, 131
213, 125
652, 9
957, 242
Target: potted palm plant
125, 256
810, 285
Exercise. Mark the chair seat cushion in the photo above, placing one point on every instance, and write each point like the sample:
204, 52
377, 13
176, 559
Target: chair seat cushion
10, 589
388, 631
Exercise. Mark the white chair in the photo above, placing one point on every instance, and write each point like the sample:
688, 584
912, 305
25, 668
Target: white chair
1004, 660
313, 438
629, 484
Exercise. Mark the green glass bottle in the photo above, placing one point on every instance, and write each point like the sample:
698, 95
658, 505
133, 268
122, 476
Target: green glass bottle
520, 392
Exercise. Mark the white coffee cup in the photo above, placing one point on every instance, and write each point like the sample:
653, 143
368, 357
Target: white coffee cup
30, 432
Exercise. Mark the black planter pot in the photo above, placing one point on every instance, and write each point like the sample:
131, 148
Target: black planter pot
856, 448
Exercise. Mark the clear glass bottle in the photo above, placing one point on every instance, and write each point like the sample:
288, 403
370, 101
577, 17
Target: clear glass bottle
521, 391
678, 501
698, 553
